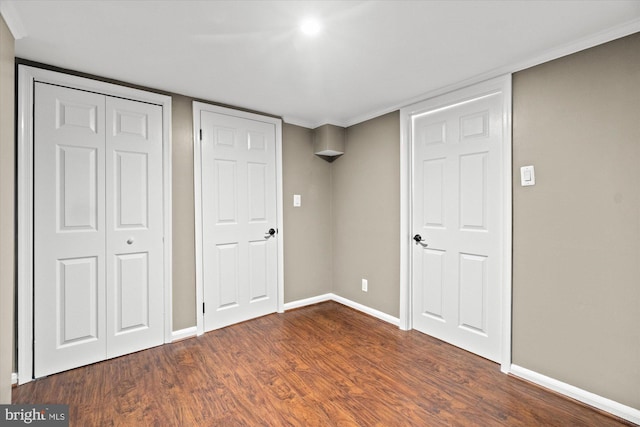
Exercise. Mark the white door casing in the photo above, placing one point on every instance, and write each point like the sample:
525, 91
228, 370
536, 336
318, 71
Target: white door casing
237, 196
458, 204
28, 78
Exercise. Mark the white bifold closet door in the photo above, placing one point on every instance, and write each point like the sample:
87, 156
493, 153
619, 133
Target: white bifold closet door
98, 243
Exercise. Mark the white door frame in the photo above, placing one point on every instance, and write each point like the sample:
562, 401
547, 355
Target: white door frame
27, 76
198, 107
502, 84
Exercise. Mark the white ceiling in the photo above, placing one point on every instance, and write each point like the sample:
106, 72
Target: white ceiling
370, 58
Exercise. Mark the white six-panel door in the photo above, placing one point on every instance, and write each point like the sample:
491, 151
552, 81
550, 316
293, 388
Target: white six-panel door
98, 282
239, 256
456, 283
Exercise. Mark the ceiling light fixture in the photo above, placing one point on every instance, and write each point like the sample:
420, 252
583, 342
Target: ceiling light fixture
310, 27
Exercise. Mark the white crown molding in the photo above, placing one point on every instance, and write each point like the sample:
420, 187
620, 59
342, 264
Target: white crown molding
332, 123
601, 37
590, 41
312, 124
11, 17
299, 122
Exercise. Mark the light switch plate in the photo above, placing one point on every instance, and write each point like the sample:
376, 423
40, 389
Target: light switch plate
527, 176
297, 200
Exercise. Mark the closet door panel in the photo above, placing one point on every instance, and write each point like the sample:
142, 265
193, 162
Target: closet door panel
69, 229
135, 287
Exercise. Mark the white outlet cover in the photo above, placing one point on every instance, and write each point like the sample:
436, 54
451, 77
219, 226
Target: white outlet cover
297, 200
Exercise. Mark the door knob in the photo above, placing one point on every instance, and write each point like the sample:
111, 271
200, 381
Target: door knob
130, 241
271, 232
418, 238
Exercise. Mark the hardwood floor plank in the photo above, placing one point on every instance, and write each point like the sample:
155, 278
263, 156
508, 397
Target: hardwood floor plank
324, 365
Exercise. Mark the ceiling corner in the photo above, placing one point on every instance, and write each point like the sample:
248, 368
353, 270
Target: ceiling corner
11, 17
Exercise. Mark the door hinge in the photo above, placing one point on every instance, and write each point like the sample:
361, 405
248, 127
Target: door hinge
202, 308
200, 134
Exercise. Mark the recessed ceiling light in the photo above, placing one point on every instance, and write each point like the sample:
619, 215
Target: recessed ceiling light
310, 27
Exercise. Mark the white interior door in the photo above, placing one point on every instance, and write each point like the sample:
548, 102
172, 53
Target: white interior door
239, 255
98, 281
456, 283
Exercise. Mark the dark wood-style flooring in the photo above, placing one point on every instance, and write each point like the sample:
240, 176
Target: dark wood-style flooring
323, 365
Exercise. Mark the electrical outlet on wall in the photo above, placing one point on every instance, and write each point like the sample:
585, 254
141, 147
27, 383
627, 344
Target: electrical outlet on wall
365, 285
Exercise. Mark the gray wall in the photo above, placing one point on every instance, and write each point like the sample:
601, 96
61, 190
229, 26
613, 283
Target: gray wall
576, 235
307, 229
366, 214
184, 264
7, 206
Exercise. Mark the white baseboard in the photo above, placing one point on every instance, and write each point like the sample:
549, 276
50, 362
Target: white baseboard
344, 301
192, 331
183, 334
308, 301
591, 399
368, 310
14, 378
